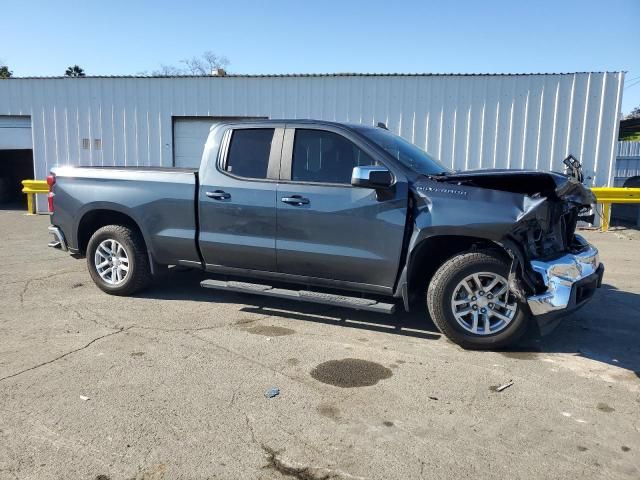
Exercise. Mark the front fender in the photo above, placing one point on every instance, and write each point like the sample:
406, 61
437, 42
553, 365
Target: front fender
470, 215
469, 211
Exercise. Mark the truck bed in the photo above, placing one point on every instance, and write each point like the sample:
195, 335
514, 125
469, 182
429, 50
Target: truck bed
160, 200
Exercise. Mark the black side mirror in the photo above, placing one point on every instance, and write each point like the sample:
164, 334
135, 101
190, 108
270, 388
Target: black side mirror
371, 177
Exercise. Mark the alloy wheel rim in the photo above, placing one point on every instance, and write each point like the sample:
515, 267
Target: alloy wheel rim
112, 262
482, 303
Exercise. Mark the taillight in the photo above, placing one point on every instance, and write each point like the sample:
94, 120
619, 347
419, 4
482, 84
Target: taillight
51, 181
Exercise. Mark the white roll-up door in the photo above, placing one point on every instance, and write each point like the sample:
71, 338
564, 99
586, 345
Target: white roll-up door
15, 133
190, 135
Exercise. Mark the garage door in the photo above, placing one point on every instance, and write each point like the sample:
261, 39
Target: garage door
15, 133
189, 137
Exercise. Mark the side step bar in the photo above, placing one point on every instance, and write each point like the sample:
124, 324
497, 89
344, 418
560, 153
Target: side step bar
356, 303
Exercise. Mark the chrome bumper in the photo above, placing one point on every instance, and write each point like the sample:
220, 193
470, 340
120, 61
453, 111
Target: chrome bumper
571, 280
58, 238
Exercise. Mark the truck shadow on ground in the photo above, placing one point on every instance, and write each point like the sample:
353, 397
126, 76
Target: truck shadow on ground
606, 330
184, 285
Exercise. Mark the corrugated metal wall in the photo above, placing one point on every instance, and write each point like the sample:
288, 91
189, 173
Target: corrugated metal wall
627, 162
467, 121
628, 149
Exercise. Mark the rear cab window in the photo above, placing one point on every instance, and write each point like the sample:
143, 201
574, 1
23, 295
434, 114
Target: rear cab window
248, 153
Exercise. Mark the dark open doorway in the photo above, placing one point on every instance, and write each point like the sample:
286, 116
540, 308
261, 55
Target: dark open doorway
15, 166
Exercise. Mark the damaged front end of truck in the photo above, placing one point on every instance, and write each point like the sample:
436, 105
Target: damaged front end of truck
533, 216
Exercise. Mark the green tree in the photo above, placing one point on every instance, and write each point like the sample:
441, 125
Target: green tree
5, 72
74, 71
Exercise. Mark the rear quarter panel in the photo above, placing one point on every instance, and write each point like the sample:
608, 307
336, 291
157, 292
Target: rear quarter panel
160, 202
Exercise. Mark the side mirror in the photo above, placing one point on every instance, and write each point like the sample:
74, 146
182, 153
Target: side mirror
371, 177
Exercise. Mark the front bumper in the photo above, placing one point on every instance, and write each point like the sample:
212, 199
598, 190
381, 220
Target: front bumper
571, 281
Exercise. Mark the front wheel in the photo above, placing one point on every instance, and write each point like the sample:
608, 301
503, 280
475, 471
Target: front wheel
117, 260
470, 302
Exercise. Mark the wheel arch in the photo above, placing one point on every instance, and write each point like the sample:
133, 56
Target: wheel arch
94, 217
430, 253
632, 181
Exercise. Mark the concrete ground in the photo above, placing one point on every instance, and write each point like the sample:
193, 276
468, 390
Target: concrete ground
171, 383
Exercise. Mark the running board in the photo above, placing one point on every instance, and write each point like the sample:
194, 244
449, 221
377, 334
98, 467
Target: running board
356, 303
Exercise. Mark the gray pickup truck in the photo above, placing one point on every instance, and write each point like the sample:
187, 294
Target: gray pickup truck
345, 215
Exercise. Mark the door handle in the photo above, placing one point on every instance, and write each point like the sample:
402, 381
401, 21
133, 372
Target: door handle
219, 195
296, 200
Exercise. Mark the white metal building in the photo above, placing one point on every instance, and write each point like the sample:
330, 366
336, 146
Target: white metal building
627, 163
467, 121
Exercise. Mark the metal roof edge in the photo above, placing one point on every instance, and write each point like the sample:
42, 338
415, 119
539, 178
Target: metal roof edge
306, 75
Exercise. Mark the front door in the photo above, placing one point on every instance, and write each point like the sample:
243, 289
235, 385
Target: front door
328, 229
237, 200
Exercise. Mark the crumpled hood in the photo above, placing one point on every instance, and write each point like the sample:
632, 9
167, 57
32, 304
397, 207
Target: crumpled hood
532, 214
495, 204
528, 182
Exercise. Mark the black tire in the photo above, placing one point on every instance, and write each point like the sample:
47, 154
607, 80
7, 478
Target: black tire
138, 276
442, 289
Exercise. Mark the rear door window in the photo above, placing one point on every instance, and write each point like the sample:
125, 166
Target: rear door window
326, 157
249, 151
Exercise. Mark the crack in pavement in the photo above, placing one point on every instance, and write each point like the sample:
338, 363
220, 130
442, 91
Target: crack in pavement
250, 427
24, 290
27, 283
302, 472
184, 330
250, 360
286, 468
82, 317
44, 277
60, 357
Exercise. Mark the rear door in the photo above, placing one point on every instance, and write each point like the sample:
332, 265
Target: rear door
237, 199
328, 229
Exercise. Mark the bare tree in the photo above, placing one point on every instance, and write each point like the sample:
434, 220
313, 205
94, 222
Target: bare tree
168, 71
205, 64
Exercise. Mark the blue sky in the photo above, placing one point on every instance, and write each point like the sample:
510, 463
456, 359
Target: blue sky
462, 36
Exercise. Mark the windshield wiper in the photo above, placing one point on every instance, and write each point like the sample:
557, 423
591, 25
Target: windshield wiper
436, 176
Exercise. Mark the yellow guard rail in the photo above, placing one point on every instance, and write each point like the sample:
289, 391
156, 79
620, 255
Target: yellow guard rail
31, 187
608, 195
604, 195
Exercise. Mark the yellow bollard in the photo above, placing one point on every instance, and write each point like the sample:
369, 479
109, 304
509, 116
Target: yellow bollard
30, 206
30, 188
606, 213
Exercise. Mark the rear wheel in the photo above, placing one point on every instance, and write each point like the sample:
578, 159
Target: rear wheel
469, 300
117, 260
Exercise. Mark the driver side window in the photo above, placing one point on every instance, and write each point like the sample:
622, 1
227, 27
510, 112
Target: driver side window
325, 157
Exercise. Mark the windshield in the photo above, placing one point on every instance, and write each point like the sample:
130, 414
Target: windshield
405, 152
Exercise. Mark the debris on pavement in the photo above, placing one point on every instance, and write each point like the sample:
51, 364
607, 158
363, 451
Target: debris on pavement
84, 398
505, 386
272, 392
